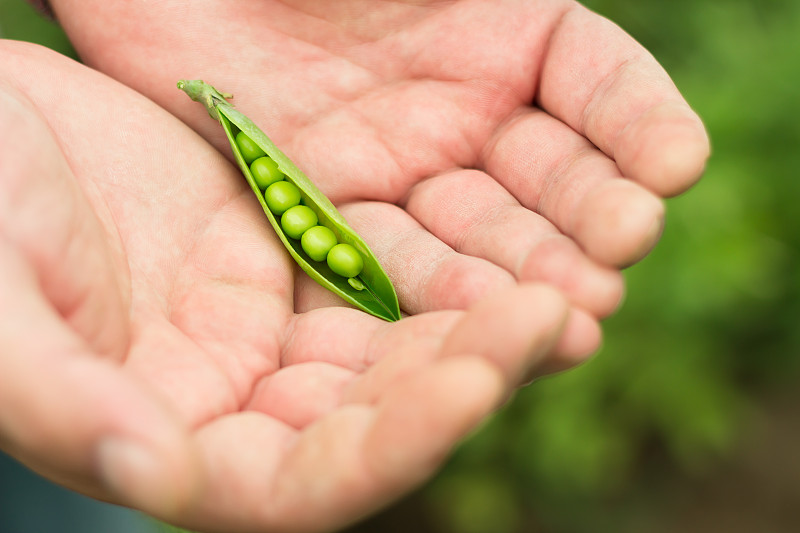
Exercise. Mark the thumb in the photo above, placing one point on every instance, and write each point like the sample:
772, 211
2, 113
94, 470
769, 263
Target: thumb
46, 214
79, 419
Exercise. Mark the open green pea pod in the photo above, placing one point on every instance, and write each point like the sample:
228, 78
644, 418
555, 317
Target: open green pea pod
370, 289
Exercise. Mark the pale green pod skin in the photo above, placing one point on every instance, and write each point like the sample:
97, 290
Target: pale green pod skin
377, 296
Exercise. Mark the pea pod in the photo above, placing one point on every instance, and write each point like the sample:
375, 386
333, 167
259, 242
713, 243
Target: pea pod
370, 289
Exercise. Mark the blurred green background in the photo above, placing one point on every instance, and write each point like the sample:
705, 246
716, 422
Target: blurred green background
689, 418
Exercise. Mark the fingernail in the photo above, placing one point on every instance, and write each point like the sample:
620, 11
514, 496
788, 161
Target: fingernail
134, 472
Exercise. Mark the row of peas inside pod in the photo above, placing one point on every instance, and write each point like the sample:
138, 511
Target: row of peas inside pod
299, 221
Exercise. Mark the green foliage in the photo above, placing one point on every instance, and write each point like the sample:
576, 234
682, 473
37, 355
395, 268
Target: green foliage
19, 21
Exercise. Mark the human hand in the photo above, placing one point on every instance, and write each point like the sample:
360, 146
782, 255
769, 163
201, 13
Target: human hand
150, 350
507, 141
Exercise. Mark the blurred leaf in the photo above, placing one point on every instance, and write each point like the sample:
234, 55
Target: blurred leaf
20, 21
476, 502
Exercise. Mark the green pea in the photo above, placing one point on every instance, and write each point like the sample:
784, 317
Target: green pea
345, 260
249, 149
296, 220
317, 242
265, 172
356, 283
281, 195
368, 287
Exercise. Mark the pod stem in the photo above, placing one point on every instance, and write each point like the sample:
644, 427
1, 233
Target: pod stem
200, 91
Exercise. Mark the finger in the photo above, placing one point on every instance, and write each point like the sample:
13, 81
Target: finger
526, 331
474, 215
355, 340
240, 453
335, 335
327, 454
77, 419
427, 274
606, 86
514, 329
378, 454
552, 170
360, 456
419, 420
44, 212
265, 476
581, 338
300, 394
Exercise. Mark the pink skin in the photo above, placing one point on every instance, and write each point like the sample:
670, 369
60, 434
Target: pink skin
158, 346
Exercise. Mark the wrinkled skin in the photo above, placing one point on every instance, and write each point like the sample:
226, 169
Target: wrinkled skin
160, 350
